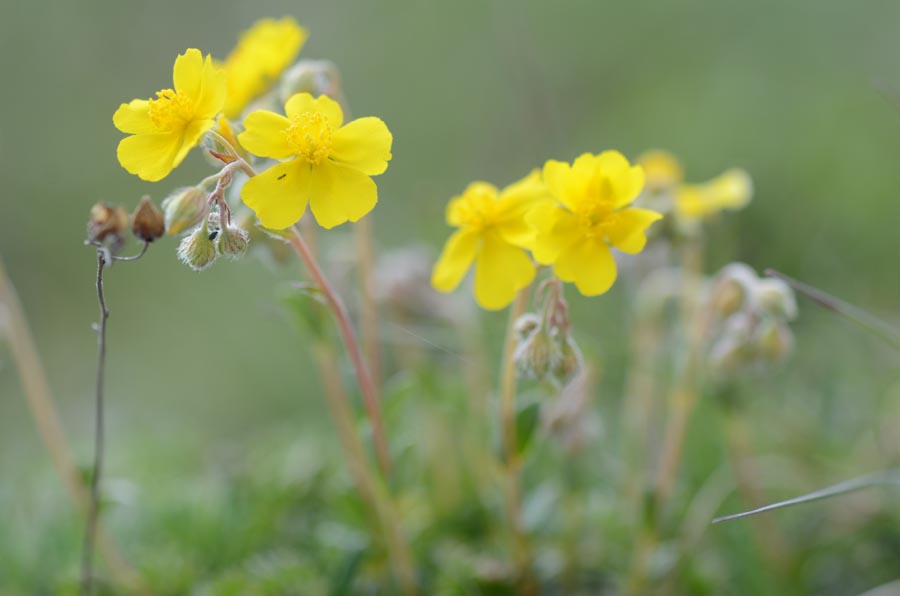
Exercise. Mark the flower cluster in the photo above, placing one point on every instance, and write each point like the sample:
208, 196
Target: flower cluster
749, 328
307, 155
568, 216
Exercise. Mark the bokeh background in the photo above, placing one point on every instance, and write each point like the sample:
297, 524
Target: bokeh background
203, 370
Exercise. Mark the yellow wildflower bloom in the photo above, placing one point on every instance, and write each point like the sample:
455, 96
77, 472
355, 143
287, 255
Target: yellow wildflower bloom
492, 234
330, 163
591, 215
164, 129
691, 203
730, 190
261, 55
661, 170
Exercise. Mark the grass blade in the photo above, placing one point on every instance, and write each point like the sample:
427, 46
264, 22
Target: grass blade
887, 332
887, 478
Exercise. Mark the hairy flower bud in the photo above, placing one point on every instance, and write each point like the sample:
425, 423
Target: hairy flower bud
184, 208
147, 222
316, 77
232, 242
197, 250
526, 325
774, 341
535, 356
106, 224
569, 361
776, 298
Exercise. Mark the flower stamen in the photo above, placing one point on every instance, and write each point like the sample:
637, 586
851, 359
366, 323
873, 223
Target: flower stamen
171, 110
310, 136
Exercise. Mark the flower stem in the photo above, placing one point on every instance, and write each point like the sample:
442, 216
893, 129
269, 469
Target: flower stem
50, 428
370, 487
364, 379
87, 554
512, 460
685, 393
365, 252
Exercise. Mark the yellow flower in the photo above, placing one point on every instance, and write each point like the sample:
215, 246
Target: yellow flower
330, 164
492, 233
730, 190
661, 170
164, 129
262, 53
591, 214
694, 202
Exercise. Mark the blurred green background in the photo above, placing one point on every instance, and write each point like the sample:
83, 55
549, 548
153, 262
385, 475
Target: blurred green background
202, 368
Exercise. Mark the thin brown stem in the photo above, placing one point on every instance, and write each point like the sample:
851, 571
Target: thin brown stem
50, 428
90, 532
364, 379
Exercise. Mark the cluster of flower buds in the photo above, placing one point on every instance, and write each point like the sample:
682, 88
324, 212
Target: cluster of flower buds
215, 237
750, 317
107, 224
545, 349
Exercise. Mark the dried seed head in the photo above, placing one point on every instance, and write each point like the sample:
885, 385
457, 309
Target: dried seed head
148, 221
184, 208
106, 224
197, 250
232, 242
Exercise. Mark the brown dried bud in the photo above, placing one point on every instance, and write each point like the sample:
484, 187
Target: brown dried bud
148, 222
107, 223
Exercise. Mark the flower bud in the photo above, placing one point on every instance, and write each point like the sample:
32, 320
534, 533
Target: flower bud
569, 361
184, 208
107, 223
148, 221
197, 250
316, 77
774, 341
776, 298
535, 356
526, 325
233, 242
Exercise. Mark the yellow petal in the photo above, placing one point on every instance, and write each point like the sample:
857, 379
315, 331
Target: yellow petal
279, 195
364, 144
475, 194
187, 73
455, 259
339, 193
628, 232
514, 204
563, 185
191, 138
149, 156
501, 270
555, 229
589, 263
262, 53
134, 117
213, 87
626, 180
661, 169
303, 102
263, 135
